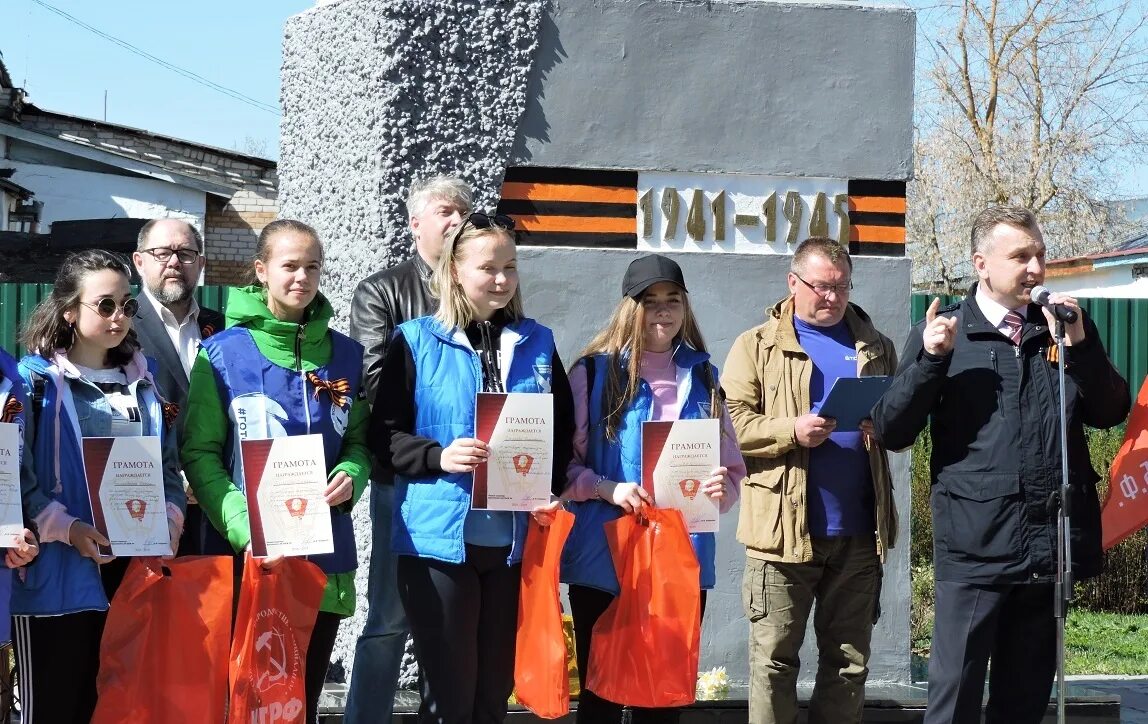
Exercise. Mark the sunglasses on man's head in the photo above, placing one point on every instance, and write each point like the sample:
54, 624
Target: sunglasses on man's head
480, 220
107, 307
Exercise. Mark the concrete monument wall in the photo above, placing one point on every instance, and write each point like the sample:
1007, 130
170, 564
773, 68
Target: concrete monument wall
718, 132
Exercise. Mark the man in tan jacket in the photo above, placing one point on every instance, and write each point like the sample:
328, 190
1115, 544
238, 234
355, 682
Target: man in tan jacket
817, 510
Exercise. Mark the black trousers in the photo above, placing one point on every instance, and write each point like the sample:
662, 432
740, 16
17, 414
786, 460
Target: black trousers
318, 659
586, 606
58, 658
1012, 624
55, 690
463, 619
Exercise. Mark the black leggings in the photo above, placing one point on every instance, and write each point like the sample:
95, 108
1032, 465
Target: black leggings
463, 619
586, 605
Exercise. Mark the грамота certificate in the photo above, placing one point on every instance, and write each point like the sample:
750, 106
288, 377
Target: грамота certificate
677, 456
11, 515
519, 428
125, 487
284, 479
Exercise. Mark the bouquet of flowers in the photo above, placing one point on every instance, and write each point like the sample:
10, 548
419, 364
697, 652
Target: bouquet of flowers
713, 684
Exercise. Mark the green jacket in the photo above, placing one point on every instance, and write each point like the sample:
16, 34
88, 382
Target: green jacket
207, 425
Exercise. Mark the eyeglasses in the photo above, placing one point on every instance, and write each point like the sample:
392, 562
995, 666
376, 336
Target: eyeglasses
107, 307
824, 289
162, 254
480, 220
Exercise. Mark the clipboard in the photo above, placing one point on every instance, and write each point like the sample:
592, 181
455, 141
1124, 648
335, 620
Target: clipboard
851, 399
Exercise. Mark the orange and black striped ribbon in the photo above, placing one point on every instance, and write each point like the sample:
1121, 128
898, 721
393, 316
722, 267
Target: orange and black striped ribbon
571, 206
877, 218
337, 389
170, 413
12, 408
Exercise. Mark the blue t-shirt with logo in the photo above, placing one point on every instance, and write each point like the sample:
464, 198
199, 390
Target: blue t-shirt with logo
839, 492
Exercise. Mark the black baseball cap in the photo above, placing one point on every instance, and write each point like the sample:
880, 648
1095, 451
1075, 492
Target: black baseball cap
646, 271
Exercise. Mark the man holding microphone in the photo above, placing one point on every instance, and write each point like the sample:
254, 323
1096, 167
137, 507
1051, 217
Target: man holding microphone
983, 373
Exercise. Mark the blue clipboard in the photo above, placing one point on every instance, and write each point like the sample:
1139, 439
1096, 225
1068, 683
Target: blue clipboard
851, 399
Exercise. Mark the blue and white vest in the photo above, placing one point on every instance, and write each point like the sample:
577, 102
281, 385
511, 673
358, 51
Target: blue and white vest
430, 512
62, 581
13, 410
264, 400
586, 558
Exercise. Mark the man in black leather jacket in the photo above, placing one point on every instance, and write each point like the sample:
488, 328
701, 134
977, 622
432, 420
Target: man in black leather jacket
381, 302
983, 374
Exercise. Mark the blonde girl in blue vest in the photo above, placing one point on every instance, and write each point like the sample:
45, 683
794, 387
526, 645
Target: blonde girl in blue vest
458, 569
648, 363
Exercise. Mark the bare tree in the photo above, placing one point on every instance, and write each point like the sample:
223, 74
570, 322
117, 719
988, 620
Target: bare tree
1040, 103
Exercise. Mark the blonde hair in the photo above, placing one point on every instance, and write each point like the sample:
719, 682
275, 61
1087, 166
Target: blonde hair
623, 341
454, 308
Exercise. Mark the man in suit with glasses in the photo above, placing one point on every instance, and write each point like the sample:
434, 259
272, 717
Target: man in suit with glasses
170, 324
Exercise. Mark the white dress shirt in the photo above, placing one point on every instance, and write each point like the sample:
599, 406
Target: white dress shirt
184, 335
995, 312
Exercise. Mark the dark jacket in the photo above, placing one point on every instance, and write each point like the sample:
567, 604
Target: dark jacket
994, 414
381, 303
171, 380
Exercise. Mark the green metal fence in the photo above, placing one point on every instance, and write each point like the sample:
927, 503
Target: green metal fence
18, 300
1122, 323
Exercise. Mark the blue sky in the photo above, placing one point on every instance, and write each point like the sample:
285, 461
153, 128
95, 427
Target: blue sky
236, 44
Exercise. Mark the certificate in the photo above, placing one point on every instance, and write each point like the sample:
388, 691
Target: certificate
519, 428
284, 479
677, 457
11, 514
125, 487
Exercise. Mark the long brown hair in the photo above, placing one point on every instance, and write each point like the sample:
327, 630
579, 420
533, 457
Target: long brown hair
46, 329
623, 341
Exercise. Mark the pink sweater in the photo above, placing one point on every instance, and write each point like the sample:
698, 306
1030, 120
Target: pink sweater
659, 371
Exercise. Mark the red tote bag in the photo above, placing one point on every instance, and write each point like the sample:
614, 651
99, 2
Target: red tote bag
273, 624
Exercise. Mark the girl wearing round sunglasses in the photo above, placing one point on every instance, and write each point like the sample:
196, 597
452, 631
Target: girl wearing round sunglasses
458, 569
87, 378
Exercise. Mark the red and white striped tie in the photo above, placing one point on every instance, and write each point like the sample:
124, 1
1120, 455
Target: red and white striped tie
1014, 322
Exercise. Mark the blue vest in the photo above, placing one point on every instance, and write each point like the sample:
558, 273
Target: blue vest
264, 400
11, 388
586, 558
62, 581
430, 512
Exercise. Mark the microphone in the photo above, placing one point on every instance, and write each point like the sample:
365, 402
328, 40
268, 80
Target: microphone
1041, 294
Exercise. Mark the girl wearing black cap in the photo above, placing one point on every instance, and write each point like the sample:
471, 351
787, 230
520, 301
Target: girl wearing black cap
671, 379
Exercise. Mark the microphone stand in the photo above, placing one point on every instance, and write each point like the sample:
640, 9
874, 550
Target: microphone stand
1063, 587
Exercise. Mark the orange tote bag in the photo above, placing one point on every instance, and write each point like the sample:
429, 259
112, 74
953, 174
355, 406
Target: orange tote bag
541, 680
646, 644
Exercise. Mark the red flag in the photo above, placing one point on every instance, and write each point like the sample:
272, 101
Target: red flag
1126, 506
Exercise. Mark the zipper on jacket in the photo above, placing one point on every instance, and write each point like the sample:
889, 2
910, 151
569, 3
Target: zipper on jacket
1000, 382
300, 334
489, 357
